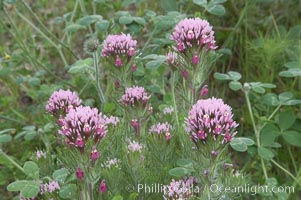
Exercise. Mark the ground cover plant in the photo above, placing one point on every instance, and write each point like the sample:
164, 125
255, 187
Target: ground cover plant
138, 99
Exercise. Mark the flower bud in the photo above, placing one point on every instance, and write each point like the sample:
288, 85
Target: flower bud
103, 186
79, 174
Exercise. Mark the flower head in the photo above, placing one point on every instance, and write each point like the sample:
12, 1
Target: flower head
211, 118
111, 163
119, 47
79, 174
60, 102
180, 190
103, 186
134, 147
193, 33
83, 123
40, 154
134, 96
161, 129
168, 110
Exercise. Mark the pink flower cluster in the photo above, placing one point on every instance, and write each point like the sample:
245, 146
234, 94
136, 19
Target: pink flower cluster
112, 120
180, 190
40, 154
49, 187
134, 147
134, 96
111, 163
60, 102
193, 33
161, 128
168, 110
121, 47
211, 118
83, 123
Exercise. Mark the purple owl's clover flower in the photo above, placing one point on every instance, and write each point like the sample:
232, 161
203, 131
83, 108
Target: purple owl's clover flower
193, 33
119, 47
134, 96
211, 118
161, 129
61, 102
192, 36
81, 124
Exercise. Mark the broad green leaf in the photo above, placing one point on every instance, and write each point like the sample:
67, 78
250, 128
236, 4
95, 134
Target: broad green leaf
235, 85
179, 172
34, 81
140, 21
268, 134
5, 138
74, 27
271, 99
60, 175
169, 5
295, 64
220, 76
154, 64
258, 89
118, 197
202, 3
286, 119
291, 72
285, 96
216, 9
185, 163
29, 189
241, 143
218, 1
268, 85
102, 25
30, 135
59, 20
124, 20
265, 153
16, 186
68, 191
292, 102
31, 169
292, 137
88, 20
235, 76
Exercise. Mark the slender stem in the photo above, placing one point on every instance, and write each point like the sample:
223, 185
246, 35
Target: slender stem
286, 171
292, 158
11, 160
46, 29
257, 134
44, 36
24, 47
173, 96
13, 120
98, 79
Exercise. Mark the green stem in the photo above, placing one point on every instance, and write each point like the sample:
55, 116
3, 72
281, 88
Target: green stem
12, 161
257, 133
292, 158
46, 29
98, 79
13, 120
44, 36
174, 97
286, 171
